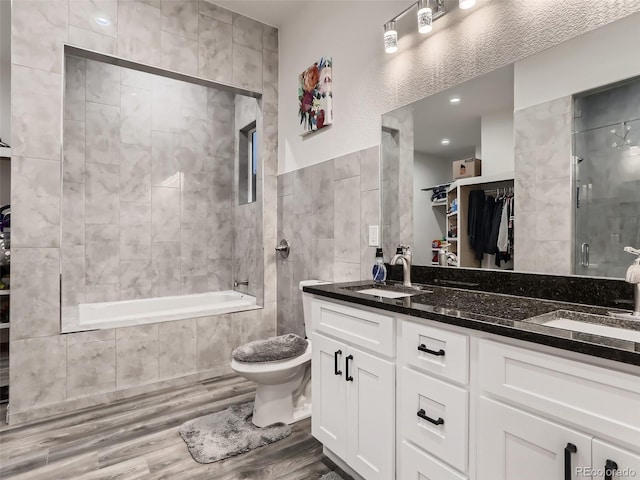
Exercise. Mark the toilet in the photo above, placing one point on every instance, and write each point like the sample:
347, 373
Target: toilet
281, 368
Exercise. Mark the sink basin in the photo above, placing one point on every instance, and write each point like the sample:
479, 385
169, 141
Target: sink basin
379, 292
590, 324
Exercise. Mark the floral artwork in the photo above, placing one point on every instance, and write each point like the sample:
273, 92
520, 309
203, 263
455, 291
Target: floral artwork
314, 97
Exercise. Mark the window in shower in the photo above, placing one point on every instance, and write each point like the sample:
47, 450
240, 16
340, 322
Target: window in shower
248, 164
606, 145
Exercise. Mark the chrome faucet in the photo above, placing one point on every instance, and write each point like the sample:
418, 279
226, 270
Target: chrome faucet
236, 283
405, 258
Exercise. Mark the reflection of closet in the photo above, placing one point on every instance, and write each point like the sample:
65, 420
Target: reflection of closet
5, 197
457, 228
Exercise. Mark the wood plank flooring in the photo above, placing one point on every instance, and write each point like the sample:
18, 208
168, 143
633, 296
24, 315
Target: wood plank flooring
138, 438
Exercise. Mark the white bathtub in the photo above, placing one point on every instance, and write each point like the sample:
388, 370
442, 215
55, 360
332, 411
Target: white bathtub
126, 313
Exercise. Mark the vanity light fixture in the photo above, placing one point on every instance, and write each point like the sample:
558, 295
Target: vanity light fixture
454, 100
425, 17
102, 21
427, 12
390, 37
445, 141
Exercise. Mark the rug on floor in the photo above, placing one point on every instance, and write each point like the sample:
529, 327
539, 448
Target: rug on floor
331, 476
230, 432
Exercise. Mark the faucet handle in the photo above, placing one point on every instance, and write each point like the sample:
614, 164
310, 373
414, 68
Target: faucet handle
634, 251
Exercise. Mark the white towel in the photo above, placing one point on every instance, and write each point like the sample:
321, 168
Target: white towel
503, 237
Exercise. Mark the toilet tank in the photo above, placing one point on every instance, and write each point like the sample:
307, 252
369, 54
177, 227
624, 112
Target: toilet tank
306, 302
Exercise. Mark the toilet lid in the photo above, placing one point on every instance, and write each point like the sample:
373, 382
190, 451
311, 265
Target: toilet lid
271, 349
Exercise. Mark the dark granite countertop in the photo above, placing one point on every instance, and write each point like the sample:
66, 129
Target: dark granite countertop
500, 314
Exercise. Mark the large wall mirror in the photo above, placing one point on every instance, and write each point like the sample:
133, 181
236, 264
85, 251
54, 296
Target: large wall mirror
530, 167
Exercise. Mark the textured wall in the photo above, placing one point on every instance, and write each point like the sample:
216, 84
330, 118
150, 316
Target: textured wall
50, 372
463, 45
324, 211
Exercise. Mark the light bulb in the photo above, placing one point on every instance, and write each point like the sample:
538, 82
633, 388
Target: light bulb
464, 4
390, 37
425, 17
445, 141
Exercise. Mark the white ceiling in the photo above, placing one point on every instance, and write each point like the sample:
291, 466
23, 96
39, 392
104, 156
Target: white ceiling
271, 12
436, 118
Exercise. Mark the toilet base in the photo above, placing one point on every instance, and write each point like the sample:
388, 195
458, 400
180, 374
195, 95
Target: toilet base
275, 403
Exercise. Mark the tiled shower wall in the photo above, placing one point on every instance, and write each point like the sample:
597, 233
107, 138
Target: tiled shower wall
147, 186
324, 211
543, 188
52, 373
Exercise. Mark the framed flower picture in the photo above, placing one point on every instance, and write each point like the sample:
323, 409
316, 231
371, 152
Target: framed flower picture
315, 97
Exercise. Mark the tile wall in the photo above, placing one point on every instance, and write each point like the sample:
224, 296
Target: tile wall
543, 188
324, 211
52, 373
147, 186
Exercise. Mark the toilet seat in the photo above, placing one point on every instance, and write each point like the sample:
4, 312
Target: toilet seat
253, 367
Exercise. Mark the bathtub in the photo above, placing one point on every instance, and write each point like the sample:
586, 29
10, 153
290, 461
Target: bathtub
91, 316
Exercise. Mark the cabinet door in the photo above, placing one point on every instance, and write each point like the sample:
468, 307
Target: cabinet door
610, 462
370, 415
329, 419
514, 445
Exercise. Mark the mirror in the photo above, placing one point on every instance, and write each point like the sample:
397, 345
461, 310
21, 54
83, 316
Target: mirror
512, 170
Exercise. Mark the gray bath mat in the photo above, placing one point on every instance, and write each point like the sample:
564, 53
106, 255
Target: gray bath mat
227, 433
331, 476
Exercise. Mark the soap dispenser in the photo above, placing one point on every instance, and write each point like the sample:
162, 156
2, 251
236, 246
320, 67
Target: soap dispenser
379, 268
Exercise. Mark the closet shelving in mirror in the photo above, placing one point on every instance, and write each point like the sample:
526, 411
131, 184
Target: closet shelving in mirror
5, 152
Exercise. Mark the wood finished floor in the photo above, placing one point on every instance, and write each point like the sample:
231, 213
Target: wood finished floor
138, 438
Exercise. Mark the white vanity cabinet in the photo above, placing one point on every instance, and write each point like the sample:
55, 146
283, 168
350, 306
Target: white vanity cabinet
354, 387
460, 404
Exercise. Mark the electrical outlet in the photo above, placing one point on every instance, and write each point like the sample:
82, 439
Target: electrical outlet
373, 236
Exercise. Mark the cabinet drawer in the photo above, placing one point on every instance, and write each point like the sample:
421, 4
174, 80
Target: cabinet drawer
627, 463
415, 464
363, 328
598, 399
442, 403
436, 351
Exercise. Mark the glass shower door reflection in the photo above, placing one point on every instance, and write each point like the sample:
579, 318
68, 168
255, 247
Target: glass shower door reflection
607, 198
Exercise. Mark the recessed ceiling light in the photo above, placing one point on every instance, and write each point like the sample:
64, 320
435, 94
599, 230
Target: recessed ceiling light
102, 21
454, 100
445, 141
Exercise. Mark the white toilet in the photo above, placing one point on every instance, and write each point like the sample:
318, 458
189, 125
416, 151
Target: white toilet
283, 393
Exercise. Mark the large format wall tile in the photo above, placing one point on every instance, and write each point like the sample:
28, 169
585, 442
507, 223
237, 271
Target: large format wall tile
102, 83
214, 11
193, 249
247, 68
135, 173
75, 89
135, 116
177, 348
214, 50
196, 197
43, 50
102, 133
180, 17
165, 165
137, 354
136, 280
247, 32
166, 269
35, 298
165, 214
35, 112
347, 220
164, 105
103, 254
83, 14
73, 220
135, 231
211, 352
139, 32
179, 53
102, 186
35, 202
91, 368
72, 281
38, 372
92, 41
74, 151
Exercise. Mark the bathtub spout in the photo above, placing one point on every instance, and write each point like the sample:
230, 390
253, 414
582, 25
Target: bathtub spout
236, 283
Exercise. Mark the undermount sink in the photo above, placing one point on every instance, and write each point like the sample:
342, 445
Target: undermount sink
590, 324
379, 292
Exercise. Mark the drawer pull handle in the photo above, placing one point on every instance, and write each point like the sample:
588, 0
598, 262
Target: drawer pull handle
423, 415
610, 468
335, 363
568, 450
423, 348
348, 377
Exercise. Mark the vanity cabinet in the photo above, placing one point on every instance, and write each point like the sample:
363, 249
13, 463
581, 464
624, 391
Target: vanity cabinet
467, 405
354, 389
